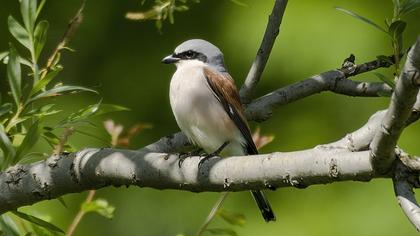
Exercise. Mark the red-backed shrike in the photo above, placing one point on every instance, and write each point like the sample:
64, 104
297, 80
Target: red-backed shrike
207, 108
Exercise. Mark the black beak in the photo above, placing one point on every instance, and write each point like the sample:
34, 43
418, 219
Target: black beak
170, 59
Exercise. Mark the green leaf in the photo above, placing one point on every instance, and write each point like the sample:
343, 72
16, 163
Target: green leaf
33, 157
364, 19
396, 4
38, 231
61, 89
56, 60
51, 139
106, 142
99, 206
14, 75
25, 62
409, 6
3, 55
108, 108
231, 217
222, 231
6, 146
20, 33
38, 221
40, 37
29, 141
28, 11
8, 227
19, 120
61, 200
386, 80
41, 5
92, 111
397, 28
42, 83
5, 108
43, 111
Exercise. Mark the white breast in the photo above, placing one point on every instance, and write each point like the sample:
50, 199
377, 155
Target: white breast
198, 112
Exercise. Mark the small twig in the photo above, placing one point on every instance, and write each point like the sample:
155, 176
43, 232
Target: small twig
72, 26
270, 35
366, 67
402, 101
59, 148
80, 214
212, 213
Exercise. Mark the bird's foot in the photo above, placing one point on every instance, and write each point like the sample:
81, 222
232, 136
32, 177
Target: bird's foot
213, 154
183, 156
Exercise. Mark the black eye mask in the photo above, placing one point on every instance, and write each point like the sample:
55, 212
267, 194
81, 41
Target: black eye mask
191, 55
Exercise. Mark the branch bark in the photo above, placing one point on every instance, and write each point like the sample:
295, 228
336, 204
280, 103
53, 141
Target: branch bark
263, 53
404, 182
394, 121
96, 168
335, 81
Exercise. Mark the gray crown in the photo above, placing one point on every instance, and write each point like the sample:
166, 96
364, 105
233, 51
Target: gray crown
213, 53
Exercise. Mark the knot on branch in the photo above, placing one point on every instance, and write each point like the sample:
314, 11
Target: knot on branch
14, 174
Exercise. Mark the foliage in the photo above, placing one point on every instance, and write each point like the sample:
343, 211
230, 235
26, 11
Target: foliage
394, 29
163, 10
99, 206
38, 221
24, 109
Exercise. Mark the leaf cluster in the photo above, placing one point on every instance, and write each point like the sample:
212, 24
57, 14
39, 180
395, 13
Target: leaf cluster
30, 99
394, 29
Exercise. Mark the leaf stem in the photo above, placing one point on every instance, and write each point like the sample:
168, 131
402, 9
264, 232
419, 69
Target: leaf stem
71, 28
14, 118
80, 214
212, 213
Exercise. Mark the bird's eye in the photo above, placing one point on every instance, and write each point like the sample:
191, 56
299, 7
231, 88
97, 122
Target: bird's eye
189, 54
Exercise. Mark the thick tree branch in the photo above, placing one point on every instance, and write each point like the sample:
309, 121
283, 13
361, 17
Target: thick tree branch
394, 121
263, 53
96, 168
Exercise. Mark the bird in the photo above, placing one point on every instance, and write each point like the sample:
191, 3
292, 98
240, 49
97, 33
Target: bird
207, 107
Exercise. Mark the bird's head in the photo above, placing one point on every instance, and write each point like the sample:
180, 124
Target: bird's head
196, 50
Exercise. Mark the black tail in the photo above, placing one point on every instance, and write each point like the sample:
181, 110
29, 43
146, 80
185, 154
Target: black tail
264, 206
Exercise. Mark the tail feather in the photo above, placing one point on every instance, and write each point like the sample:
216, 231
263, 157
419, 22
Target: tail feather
264, 206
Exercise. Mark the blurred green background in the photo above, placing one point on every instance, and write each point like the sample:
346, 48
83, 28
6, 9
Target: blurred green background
121, 59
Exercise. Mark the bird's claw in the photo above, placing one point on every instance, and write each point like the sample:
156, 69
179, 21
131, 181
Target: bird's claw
183, 156
181, 159
205, 158
213, 154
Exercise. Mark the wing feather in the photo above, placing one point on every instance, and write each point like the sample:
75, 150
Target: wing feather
225, 91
